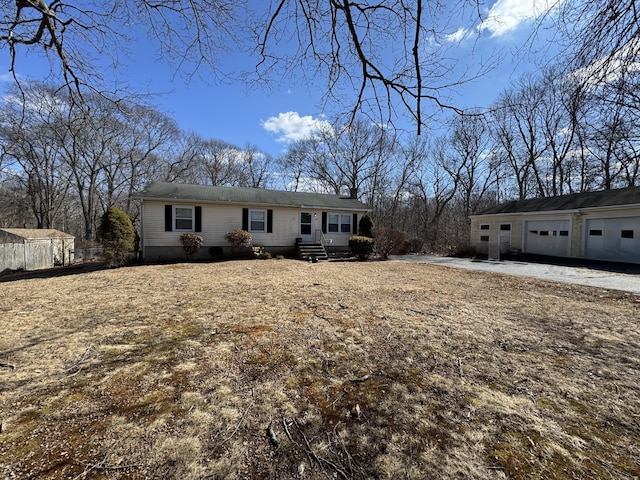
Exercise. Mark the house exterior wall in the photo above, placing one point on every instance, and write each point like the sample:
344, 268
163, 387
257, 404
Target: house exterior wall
610, 222
218, 219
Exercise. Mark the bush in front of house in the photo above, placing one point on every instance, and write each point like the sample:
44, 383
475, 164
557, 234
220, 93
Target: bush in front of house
361, 247
389, 241
191, 242
117, 236
365, 227
238, 239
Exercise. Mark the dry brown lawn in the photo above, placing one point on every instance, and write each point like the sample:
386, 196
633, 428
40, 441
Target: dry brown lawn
282, 369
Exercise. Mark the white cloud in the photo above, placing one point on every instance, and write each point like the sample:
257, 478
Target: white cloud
291, 127
506, 15
609, 69
458, 35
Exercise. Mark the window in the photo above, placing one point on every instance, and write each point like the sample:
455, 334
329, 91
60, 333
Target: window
484, 238
333, 223
505, 227
338, 223
626, 234
564, 233
345, 223
257, 220
544, 233
184, 218
595, 233
485, 226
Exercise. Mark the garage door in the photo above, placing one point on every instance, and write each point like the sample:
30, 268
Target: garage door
613, 239
547, 237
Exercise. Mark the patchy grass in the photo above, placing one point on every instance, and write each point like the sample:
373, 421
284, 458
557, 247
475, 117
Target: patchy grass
284, 369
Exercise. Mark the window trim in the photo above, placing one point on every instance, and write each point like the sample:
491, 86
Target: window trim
264, 221
192, 208
339, 224
485, 226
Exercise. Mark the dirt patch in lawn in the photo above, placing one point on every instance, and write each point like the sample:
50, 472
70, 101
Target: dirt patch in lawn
283, 369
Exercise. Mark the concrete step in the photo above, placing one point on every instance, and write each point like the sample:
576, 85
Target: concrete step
308, 251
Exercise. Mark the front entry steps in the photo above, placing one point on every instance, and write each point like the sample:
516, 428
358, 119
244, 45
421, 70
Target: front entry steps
312, 251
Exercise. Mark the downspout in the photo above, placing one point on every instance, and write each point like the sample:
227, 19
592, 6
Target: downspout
142, 241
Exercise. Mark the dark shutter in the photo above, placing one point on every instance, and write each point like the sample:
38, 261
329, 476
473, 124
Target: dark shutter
245, 219
198, 219
168, 218
354, 227
269, 221
324, 222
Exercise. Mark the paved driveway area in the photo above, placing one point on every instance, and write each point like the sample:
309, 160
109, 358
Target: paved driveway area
593, 277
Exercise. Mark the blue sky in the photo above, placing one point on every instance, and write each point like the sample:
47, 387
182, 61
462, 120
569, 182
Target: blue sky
271, 118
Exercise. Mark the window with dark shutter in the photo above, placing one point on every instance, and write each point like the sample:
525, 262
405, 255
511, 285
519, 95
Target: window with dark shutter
324, 222
355, 224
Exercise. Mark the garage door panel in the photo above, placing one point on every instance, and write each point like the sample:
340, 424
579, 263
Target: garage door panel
547, 237
615, 239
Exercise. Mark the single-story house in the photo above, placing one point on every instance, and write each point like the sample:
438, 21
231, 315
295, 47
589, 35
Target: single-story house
34, 249
602, 225
277, 220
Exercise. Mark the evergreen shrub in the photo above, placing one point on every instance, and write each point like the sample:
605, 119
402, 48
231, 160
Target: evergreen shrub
117, 236
365, 227
361, 247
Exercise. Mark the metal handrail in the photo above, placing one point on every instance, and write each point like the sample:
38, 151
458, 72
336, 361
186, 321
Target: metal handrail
320, 236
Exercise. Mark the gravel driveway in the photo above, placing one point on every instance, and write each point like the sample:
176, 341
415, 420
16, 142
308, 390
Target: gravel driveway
610, 279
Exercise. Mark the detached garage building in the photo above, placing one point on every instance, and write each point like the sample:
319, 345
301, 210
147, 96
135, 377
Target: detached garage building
594, 225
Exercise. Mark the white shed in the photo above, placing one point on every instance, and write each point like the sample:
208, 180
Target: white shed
34, 249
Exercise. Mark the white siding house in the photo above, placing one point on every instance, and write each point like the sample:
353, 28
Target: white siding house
277, 220
593, 225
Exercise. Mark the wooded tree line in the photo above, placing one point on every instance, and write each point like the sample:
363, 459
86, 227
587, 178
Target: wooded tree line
65, 161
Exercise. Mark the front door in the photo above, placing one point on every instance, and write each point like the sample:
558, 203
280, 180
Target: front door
306, 226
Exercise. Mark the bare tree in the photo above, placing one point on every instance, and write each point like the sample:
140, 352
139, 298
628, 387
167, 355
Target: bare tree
469, 163
74, 34
517, 122
253, 167
347, 158
603, 35
26, 133
216, 161
563, 110
393, 53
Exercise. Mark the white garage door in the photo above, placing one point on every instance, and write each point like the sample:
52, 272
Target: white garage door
547, 237
613, 239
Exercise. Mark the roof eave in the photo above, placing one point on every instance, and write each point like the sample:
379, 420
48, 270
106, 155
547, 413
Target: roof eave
255, 204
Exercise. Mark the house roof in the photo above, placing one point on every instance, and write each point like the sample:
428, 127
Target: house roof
36, 233
248, 196
575, 201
